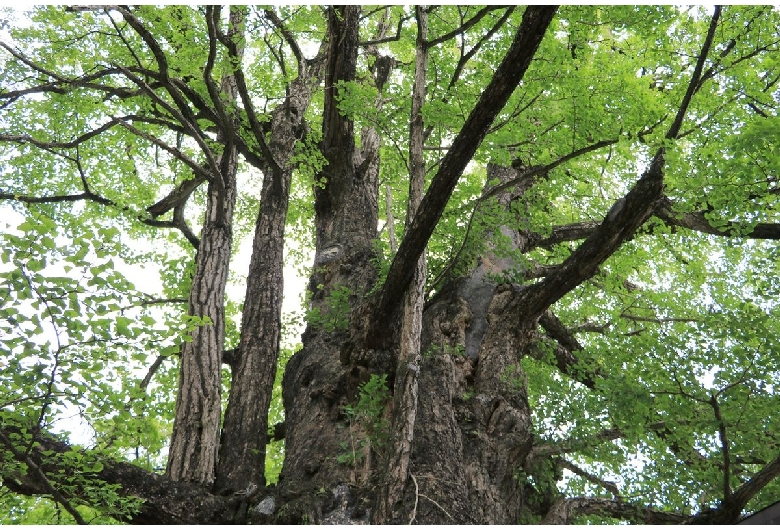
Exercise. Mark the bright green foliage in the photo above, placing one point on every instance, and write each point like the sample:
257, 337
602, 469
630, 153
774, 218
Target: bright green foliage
679, 328
366, 416
275, 452
334, 316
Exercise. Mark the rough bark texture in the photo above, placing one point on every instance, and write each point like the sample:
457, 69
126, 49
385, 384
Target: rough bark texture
461, 444
194, 445
245, 431
322, 379
316, 385
195, 439
405, 392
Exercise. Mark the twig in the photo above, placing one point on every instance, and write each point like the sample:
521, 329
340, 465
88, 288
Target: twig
416, 498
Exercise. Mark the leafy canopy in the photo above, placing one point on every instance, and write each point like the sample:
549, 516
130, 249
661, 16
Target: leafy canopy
681, 324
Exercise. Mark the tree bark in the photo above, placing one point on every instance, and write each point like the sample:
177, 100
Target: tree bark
316, 386
245, 430
194, 448
404, 403
510, 72
195, 439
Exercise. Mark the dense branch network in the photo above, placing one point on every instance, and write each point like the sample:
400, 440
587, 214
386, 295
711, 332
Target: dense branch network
194, 109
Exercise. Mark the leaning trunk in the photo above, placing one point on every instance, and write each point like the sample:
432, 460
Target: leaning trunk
245, 431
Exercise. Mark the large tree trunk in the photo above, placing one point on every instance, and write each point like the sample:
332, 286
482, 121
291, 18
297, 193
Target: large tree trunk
326, 449
345, 203
397, 410
194, 449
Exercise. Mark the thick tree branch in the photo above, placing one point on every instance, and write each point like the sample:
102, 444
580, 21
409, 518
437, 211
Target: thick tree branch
622, 220
164, 501
522, 182
466, 25
569, 345
565, 510
573, 445
563, 233
696, 77
512, 69
697, 221
730, 509
177, 197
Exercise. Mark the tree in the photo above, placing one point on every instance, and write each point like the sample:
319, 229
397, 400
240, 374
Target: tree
544, 277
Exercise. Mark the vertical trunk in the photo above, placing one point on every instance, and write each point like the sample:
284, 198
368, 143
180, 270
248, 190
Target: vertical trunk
194, 446
473, 428
245, 431
409, 359
195, 439
317, 384
468, 449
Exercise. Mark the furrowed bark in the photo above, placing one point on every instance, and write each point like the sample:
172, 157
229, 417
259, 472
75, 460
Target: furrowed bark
473, 429
316, 384
409, 358
194, 445
245, 430
195, 438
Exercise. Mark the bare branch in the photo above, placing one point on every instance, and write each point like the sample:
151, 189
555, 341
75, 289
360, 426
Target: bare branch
467, 25
533, 27
564, 511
